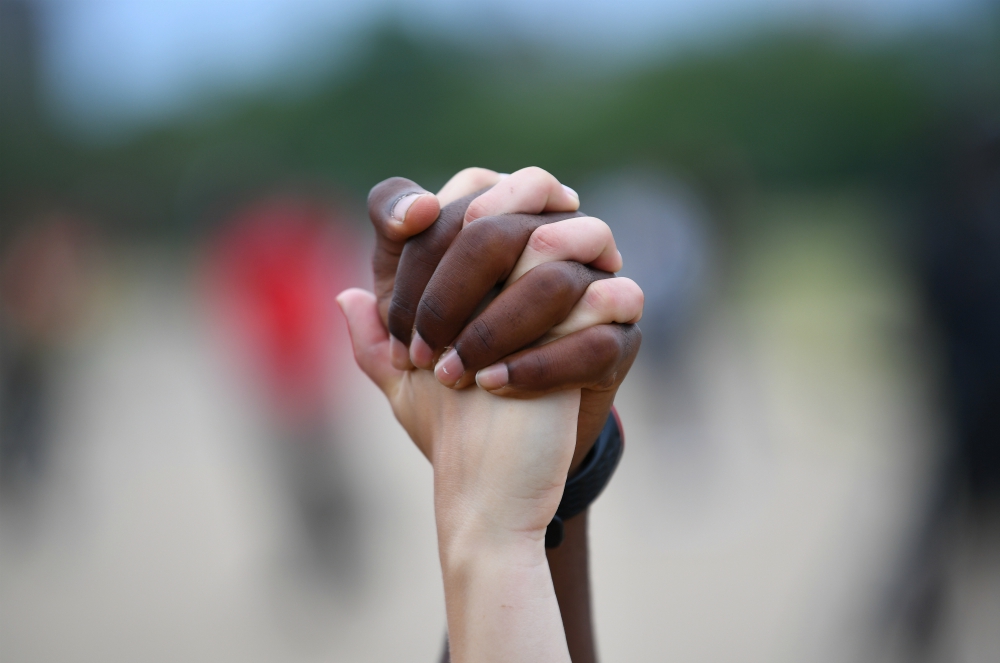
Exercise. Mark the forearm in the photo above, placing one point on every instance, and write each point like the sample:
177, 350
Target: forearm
497, 469
500, 599
570, 562
570, 568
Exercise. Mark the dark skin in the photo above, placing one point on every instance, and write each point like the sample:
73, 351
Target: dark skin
441, 283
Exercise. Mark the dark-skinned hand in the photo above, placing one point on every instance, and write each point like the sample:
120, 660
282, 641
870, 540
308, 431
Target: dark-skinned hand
500, 280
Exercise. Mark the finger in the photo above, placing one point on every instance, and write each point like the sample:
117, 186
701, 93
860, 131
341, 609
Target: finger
584, 239
465, 182
460, 189
593, 358
369, 337
519, 316
399, 209
526, 191
481, 256
606, 301
416, 264
612, 300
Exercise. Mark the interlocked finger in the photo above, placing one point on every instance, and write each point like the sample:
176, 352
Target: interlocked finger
526, 191
480, 258
609, 349
464, 182
416, 264
607, 301
519, 316
398, 209
584, 239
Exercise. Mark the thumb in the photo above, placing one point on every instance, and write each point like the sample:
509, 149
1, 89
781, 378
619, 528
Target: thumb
368, 336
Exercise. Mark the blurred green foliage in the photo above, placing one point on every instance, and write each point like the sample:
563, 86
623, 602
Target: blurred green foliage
780, 110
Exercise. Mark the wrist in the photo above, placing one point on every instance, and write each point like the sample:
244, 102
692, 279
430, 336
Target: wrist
472, 528
469, 540
500, 468
500, 598
491, 514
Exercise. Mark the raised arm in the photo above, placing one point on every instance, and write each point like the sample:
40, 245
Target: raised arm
408, 275
499, 470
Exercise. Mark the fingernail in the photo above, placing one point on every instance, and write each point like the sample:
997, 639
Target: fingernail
399, 354
420, 353
493, 377
573, 194
449, 368
402, 205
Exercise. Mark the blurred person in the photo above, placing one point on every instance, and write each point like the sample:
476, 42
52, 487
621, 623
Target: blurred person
273, 272
557, 333
663, 229
43, 280
960, 272
661, 226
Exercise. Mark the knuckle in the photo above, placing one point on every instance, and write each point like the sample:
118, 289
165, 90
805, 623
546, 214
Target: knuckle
552, 282
631, 341
536, 366
602, 296
425, 249
630, 286
610, 352
467, 173
586, 275
607, 345
475, 176
603, 229
638, 297
620, 296
484, 233
480, 335
546, 239
613, 348
534, 172
431, 309
477, 209
400, 320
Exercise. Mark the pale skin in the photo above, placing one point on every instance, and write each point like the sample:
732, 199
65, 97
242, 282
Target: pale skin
499, 468
500, 464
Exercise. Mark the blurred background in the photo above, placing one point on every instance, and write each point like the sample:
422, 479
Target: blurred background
192, 468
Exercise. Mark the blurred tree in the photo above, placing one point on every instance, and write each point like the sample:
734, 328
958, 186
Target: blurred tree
780, 110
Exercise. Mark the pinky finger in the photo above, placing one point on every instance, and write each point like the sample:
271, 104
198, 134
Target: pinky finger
609, 351
606, 301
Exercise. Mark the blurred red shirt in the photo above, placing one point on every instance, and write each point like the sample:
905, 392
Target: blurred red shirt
275, 269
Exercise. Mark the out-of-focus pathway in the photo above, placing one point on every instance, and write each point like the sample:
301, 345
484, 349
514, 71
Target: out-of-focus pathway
771, 476
770, 471
165, 533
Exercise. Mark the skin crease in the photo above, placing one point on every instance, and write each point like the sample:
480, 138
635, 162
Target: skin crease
499, 469
615, 349
619, 347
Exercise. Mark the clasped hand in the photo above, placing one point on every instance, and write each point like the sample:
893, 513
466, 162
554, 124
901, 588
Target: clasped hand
496, 280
